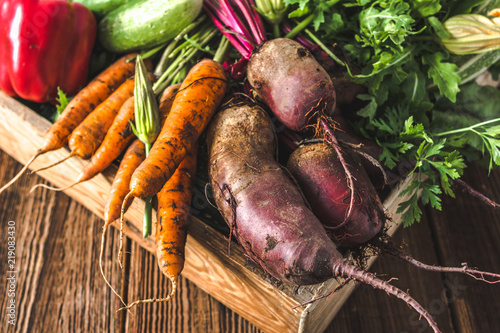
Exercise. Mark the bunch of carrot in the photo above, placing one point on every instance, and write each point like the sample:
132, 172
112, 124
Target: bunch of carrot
168, 170
95, 123
98, 125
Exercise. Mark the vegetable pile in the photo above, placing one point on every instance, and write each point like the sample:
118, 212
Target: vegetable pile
355, 95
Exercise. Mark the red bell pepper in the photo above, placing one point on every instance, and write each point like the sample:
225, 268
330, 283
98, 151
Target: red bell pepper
44, 44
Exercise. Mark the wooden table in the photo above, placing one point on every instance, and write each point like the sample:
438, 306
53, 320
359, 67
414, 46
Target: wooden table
58, 286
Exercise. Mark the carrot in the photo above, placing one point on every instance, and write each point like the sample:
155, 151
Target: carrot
174, 200
194, 105
98, 90
120, 185
166, 100
165, 106
114, 143
80, 106
118, 137
87, 137
134, 155
108, 128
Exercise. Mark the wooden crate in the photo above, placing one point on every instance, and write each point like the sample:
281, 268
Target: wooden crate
233, 280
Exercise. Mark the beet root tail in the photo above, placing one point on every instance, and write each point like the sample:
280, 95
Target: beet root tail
391, 248
464, 269
350, 271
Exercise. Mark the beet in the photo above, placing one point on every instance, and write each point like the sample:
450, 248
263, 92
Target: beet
260, 203
321, 177
287, 77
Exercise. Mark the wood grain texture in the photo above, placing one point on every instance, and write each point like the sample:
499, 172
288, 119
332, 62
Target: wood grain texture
192, 310
470, 232
57, 275
367, 309
465, 230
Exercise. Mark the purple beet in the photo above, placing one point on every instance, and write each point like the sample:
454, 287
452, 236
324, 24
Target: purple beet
321, 176
287, 77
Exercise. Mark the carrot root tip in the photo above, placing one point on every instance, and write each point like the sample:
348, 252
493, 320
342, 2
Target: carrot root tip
52, 188
173, 280
22, 171
104, 229
122, 213
52, 165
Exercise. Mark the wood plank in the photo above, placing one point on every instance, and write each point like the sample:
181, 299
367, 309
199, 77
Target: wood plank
56, 243
191, 310
469, 232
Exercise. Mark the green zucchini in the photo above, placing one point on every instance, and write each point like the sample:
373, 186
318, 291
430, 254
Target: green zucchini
100, 8
477, 64
144, 24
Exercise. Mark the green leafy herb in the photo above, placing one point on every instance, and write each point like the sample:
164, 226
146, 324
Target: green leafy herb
436, 170
384, 27
443, 74
410, 209
438, 156
62, 101
490, 137
427, 7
